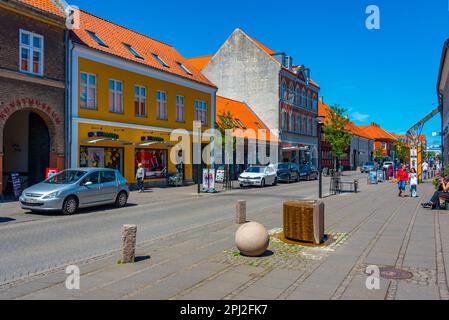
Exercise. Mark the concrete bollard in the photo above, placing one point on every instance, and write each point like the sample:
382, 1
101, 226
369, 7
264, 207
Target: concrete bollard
129, 234
240, 212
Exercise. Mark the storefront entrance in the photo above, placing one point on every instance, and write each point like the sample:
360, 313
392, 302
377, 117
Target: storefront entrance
26, 148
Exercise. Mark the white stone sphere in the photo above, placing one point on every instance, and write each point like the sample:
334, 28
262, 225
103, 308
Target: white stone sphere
252, 239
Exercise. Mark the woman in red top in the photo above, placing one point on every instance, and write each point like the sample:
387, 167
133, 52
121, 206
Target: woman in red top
402, 178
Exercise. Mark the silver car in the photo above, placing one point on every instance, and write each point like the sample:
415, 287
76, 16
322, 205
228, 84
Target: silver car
72, 189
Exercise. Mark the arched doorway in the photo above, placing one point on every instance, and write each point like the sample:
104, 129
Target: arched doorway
26, 148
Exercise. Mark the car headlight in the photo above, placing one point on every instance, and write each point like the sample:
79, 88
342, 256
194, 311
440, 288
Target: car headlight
53, 195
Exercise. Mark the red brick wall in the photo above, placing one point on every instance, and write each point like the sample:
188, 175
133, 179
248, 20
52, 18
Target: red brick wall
54, 43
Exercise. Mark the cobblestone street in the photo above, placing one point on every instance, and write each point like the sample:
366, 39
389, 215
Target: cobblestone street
373, 227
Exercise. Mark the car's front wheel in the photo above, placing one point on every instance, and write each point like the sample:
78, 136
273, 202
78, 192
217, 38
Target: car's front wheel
70, 206
275, 181
122, 199
262, 183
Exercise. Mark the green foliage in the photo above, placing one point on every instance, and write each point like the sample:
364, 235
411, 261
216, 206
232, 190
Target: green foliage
335, 131
436, 183
401, 151
379, 154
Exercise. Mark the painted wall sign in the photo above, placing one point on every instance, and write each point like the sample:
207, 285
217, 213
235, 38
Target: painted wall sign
151, 138
24, 103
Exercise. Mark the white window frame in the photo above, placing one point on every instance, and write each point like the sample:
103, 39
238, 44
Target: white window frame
201, 111
180, 108
118, 96
284, 120
161, 105
87, 87
139, 98
291, 93
31, 49
283, 91
291, 122
298, 123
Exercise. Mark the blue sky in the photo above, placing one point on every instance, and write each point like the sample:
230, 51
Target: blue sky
386, 76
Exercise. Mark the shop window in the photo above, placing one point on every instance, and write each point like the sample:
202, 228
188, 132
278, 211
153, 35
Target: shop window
161, 103
140, 101
88, 93
180, 117
201, 111
31, 53
154, 161
115, 96
99, 157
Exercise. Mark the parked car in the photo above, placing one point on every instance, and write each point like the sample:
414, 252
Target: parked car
287, 172
258, 176
308, 172
72, 189
368, 167
387, 164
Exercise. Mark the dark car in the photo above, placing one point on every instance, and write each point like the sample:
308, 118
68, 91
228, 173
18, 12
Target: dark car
287, 172
308, 172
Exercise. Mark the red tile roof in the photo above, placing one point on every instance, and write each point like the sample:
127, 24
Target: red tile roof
200, 62
44, 5
242, 112
115, 36
262, 46
377, 132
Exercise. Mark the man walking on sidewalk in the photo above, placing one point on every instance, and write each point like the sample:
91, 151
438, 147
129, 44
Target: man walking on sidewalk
140, 175
425, 169
402, 178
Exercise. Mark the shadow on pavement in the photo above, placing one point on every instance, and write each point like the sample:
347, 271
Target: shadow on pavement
104, 208
4, 219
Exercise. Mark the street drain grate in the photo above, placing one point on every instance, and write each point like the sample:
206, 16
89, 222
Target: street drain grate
391, 273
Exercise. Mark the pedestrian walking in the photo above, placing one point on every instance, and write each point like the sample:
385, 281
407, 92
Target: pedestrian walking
413, 183
402, 179
425, 169
140, 175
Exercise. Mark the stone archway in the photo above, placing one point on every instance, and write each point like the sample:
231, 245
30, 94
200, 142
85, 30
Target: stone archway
53, 120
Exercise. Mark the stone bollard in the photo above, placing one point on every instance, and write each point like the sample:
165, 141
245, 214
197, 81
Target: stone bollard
240, 212
129, 234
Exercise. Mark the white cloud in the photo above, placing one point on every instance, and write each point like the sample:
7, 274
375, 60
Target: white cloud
357, 116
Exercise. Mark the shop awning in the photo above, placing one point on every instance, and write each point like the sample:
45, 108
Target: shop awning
295, 147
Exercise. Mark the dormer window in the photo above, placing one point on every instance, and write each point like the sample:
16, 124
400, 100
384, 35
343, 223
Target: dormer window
97, 38
159, 59
183, 67
31, 53
133, 51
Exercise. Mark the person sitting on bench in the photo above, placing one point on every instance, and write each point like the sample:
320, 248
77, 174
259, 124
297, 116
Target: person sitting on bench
443, 192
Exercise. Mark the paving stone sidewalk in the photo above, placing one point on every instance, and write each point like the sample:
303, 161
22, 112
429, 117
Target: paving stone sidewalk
373, 227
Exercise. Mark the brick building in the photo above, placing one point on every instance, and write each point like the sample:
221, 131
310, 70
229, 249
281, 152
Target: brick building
32, 94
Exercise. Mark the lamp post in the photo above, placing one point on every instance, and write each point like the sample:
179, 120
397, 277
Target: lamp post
320, 122
198, 126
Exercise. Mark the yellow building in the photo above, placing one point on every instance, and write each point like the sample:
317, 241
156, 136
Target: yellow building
128, 93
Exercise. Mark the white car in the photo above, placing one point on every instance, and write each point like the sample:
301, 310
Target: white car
387, 164
258, 176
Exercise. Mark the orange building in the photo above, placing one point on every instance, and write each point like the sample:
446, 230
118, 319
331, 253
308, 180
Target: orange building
244, 123
383, 140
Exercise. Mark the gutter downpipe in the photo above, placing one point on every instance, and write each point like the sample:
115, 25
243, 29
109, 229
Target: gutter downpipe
67, 97
70, 49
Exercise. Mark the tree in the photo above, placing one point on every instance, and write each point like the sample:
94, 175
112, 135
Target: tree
401, 151
336, 133
379, 155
